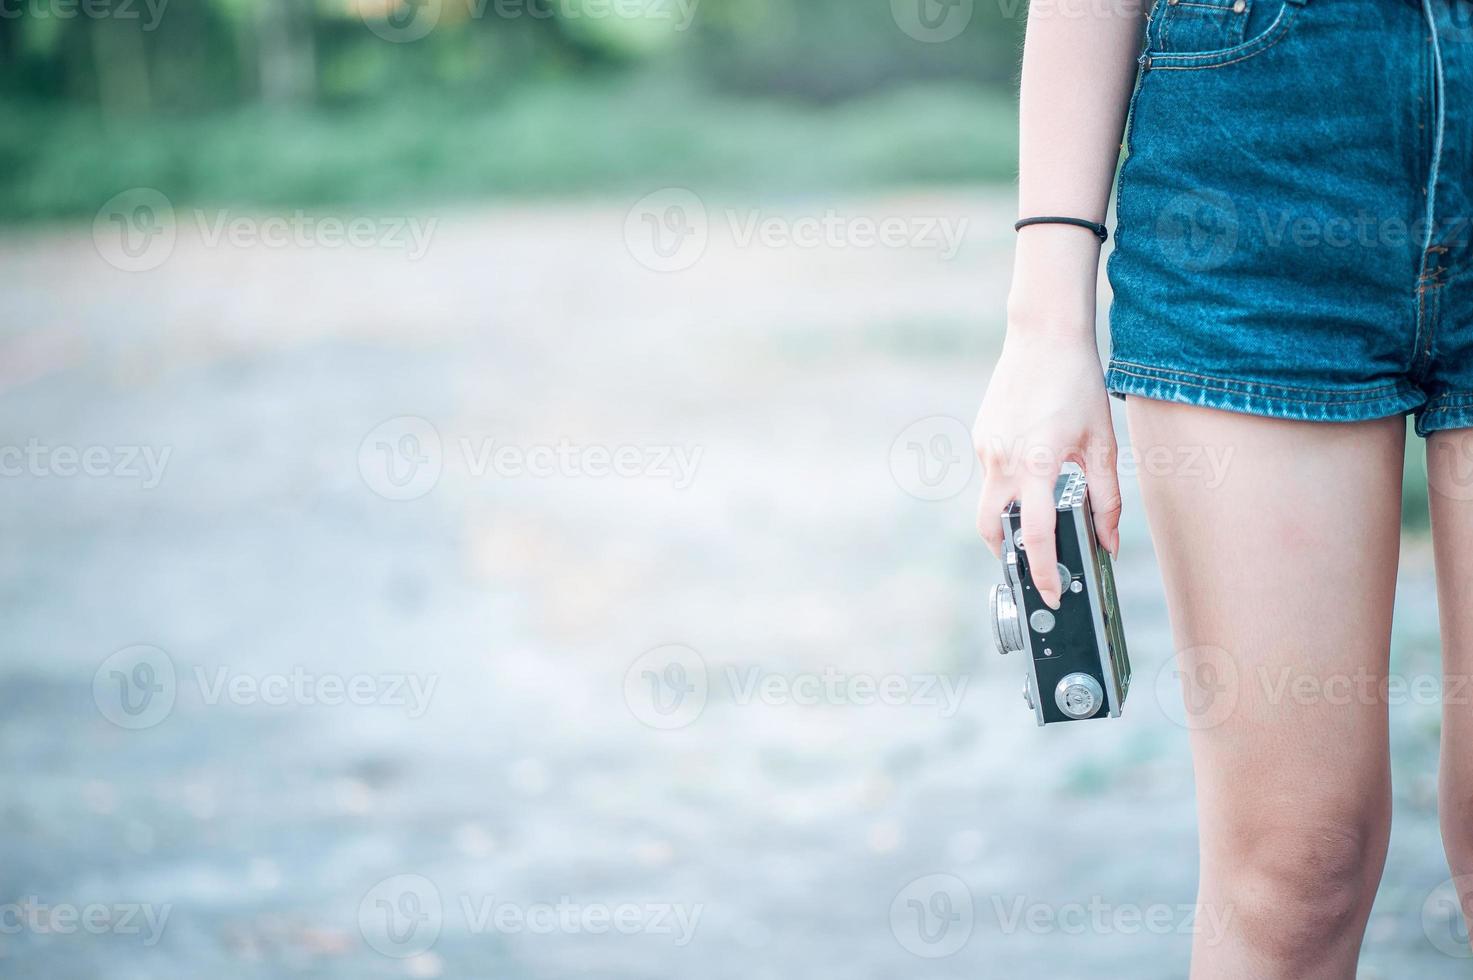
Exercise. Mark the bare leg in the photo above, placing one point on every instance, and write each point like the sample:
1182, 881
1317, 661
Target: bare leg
1280, 581
1450, 493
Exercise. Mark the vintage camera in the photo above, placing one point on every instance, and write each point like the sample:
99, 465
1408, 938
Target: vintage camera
1077, 664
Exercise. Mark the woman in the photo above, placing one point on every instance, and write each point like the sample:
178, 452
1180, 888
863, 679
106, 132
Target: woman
1291, 278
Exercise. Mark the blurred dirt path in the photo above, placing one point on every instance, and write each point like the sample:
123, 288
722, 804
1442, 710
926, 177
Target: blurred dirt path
503, 471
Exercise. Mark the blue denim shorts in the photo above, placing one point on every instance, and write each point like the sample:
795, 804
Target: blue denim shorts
1293, 213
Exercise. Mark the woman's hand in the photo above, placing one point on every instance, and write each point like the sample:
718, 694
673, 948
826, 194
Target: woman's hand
1046, 405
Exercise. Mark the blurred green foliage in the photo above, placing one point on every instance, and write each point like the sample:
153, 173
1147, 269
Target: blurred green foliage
1414, 513
559, 138
310, 101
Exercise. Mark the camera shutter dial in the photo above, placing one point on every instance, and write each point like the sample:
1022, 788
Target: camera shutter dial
1079, 695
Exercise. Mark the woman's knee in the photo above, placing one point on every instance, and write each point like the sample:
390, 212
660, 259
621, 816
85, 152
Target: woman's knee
1294, 887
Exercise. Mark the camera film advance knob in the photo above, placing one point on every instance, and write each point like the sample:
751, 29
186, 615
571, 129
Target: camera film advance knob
1079, 695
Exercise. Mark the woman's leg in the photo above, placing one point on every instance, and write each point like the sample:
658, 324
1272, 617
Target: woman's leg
1280, 575
1450, 492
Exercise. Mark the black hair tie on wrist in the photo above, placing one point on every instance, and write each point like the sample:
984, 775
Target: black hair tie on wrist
1101, 232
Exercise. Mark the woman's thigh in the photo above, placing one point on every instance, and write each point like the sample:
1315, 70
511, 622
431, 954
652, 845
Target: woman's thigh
1280, 569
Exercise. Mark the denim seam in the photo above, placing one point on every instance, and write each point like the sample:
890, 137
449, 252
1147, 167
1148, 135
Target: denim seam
1248, 49
1129, 145
1460, 415
1421, 304
1302, 404
1428, 272
1429, 314
1297, 403
1126, 384
1444, 403
1439, 95
1365, 394
1218, 64
1273, 31
1436, 317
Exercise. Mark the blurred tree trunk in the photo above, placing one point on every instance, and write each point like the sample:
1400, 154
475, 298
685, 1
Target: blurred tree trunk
121, 64
286, 62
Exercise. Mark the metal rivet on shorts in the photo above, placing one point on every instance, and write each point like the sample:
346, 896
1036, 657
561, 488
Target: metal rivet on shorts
1240, 6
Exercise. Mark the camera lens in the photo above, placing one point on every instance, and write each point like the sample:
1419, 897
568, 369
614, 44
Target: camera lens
1007, 632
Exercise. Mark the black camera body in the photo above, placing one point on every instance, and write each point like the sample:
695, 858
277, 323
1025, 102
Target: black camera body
1078, 667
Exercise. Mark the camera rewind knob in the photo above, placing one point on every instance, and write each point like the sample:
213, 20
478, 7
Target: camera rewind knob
1007, 631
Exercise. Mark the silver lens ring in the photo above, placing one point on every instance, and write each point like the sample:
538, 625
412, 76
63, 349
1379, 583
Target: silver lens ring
1007, 631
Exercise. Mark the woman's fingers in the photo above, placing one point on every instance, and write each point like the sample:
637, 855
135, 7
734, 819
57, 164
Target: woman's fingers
1104, 494
1037, 501
996, 495
1033, 488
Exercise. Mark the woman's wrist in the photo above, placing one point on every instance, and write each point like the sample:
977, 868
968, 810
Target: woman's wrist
1055, 278
1068, 246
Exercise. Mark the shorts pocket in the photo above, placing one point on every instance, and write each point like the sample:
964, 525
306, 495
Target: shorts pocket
1187, 34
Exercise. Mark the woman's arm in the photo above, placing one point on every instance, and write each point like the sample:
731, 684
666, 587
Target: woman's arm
1046, 403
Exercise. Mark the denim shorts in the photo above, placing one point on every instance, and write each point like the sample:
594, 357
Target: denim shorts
1293, 212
